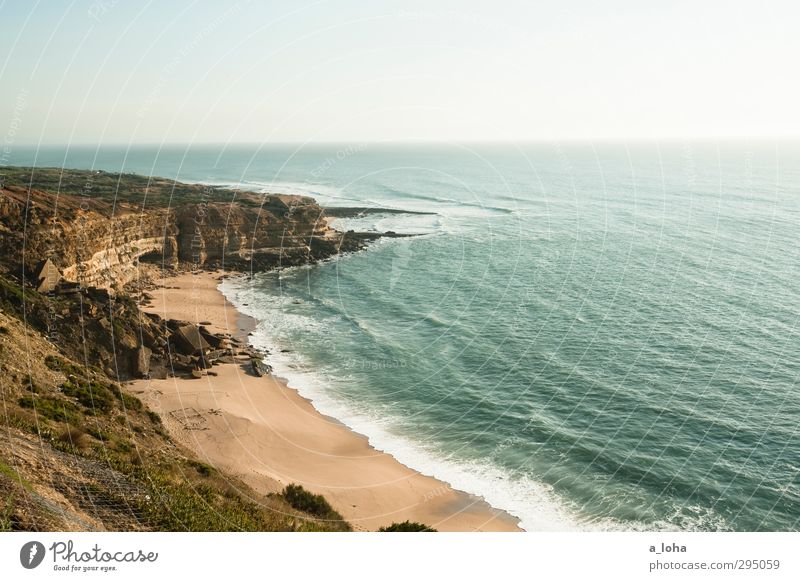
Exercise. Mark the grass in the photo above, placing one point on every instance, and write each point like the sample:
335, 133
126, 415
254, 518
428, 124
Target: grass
53, 408
9, 495
26, 421
112, 186
60, 364
90, 394
6, 513
98, 434
176, 502
9, 472
73, 438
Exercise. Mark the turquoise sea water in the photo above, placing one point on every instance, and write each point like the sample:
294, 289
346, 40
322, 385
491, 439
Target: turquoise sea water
590, 337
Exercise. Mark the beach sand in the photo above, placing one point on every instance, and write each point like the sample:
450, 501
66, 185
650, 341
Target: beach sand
264, 432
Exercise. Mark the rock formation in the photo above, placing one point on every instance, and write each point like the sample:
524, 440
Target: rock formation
96, 242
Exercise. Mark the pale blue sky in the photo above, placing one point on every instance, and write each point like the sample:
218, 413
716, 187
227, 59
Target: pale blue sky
109, 71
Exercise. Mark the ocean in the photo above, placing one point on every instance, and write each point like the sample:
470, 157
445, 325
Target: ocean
589, 336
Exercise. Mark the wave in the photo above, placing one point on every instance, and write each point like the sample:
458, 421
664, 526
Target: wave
400, 223
441, 200
324, 194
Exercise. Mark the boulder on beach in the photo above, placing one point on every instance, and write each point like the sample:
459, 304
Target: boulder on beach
215, 341
259, 367
188, 340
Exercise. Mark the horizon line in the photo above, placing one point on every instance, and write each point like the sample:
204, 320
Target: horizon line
536, 141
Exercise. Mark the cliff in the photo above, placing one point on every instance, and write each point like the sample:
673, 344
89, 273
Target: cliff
77, 451
97, 238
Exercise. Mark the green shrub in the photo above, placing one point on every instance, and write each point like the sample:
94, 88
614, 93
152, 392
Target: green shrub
407, 527
60, 364
202, 468
119, 329
123, 446
314, 504
98, 434
90, 394
131, 403
53, 408
53, 362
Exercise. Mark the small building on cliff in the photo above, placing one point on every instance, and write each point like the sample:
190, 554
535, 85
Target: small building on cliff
47, 276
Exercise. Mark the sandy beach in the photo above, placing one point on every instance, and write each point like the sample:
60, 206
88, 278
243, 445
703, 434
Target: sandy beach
262, 431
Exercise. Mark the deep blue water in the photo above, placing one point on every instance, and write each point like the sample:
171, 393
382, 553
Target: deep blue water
588, 336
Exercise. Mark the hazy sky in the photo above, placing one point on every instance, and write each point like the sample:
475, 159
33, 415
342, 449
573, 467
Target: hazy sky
126, 71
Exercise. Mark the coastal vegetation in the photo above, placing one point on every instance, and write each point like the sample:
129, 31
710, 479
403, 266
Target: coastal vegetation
407, 527
149, 191
315, 504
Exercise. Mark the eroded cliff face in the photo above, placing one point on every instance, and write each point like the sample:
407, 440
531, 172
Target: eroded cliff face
95, 243
105, 252
280, 232
90, 241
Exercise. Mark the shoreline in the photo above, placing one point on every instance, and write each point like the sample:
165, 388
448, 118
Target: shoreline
263, 431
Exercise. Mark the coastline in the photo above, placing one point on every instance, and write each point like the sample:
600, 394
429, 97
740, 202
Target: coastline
262, 431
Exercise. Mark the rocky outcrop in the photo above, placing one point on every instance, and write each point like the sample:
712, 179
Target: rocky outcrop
89, 241
238, 236
98, 243
105, 252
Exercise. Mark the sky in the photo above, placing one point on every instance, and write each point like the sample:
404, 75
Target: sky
128, 71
